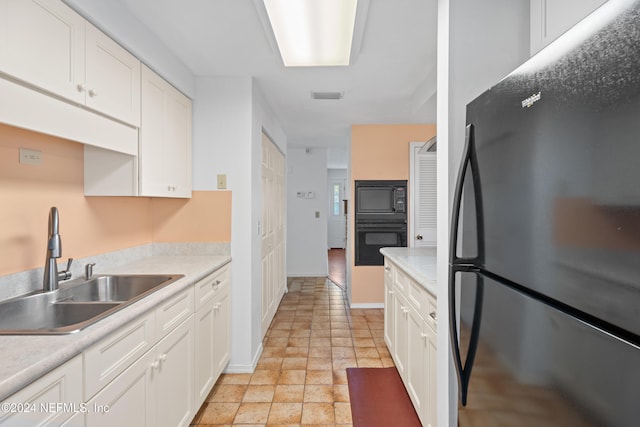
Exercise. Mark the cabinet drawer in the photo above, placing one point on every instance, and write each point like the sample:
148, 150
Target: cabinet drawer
208, 287
417, 296
108, 358
400, 280
62, 385
174, 312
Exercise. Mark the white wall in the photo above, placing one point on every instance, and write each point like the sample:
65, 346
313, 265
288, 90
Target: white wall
229, 117
307, 235
478, 44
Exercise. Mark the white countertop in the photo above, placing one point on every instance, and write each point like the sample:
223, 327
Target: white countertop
25, 358
418, 263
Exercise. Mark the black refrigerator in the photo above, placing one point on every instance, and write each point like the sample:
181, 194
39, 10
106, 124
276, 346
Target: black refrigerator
544, 280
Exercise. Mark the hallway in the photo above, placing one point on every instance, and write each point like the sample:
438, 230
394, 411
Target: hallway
300, 379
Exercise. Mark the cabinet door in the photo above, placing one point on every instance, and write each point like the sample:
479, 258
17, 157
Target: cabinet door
129, 400
389, 315
205, 349
177, 131
165, 139
429, 416
174, 377
222, 330
62, 385
401, 324
416, 378
550, 19
112, 78
42, 43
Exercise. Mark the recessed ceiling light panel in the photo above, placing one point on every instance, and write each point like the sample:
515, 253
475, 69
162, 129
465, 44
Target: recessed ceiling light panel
313, 32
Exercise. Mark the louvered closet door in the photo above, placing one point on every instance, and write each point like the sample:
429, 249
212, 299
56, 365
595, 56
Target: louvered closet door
424, 193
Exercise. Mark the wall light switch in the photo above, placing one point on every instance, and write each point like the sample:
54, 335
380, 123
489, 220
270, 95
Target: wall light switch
317, 214
222, 181
30, 157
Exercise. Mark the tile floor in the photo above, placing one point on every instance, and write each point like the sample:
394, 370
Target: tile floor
301, 376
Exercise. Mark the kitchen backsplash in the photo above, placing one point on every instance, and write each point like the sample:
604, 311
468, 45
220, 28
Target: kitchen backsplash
13, 285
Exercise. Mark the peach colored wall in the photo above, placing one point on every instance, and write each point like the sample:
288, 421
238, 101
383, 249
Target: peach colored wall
203, 218
379, 152
88, 225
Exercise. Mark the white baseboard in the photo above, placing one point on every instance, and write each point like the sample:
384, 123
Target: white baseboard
367, 305
244, 369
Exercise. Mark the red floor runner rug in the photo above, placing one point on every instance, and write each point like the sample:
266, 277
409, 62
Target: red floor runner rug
379, 399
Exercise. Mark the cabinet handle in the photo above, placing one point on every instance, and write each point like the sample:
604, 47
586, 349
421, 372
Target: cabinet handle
391, 292
433, 315
423, 335
93, 93
81, 87
387, 269
163, 357
155, 365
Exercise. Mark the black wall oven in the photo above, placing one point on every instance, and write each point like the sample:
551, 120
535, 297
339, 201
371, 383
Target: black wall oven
380, 219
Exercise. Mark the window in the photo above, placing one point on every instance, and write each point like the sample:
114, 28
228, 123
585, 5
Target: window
336, 199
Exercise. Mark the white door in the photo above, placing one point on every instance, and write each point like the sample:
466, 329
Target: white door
337, 223
272, 230
423, 195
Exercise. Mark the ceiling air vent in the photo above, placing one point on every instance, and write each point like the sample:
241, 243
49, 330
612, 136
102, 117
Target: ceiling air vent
327, 95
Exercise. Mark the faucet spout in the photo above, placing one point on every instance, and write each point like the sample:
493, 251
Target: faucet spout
54, 251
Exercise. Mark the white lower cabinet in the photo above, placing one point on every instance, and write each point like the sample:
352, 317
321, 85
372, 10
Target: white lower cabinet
37, 404
157, 390
128, 400
410, 323
212, 331
153, 372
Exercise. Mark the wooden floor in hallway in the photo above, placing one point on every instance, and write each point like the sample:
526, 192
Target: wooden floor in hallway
338, 267
300, 379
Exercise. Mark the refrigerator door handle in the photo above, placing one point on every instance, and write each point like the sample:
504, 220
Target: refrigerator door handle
470, 265
464, 371
469, 161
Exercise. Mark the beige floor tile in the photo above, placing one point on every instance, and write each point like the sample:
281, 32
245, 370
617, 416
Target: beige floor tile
289, 393
270, 363
252, 413
294, 376
341, 393
265, 376
234, 379
342, 413
369, 362
318, 393
219, 413
320, 352
289, 363
367, 352
259, 393
285, 413
227, 393
319, 363
319, 377
318, 413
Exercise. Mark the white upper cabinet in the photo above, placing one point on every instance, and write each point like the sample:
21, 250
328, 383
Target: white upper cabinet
165, 139
112, 83
47, 45
551, 18
42, 44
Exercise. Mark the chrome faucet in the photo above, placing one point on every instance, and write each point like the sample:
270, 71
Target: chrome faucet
54, 251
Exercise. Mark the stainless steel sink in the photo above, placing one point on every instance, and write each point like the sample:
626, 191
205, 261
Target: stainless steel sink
115, 288
77, 304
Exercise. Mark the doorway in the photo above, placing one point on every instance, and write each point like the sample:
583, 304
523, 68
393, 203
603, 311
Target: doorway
337, 225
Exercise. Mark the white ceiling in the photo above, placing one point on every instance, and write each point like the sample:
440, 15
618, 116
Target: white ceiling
392, 79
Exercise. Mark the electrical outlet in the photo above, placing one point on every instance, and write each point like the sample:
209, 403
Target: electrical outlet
222, 181
30, 157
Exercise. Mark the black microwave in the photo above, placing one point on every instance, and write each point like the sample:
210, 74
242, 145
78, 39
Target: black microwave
377, 200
